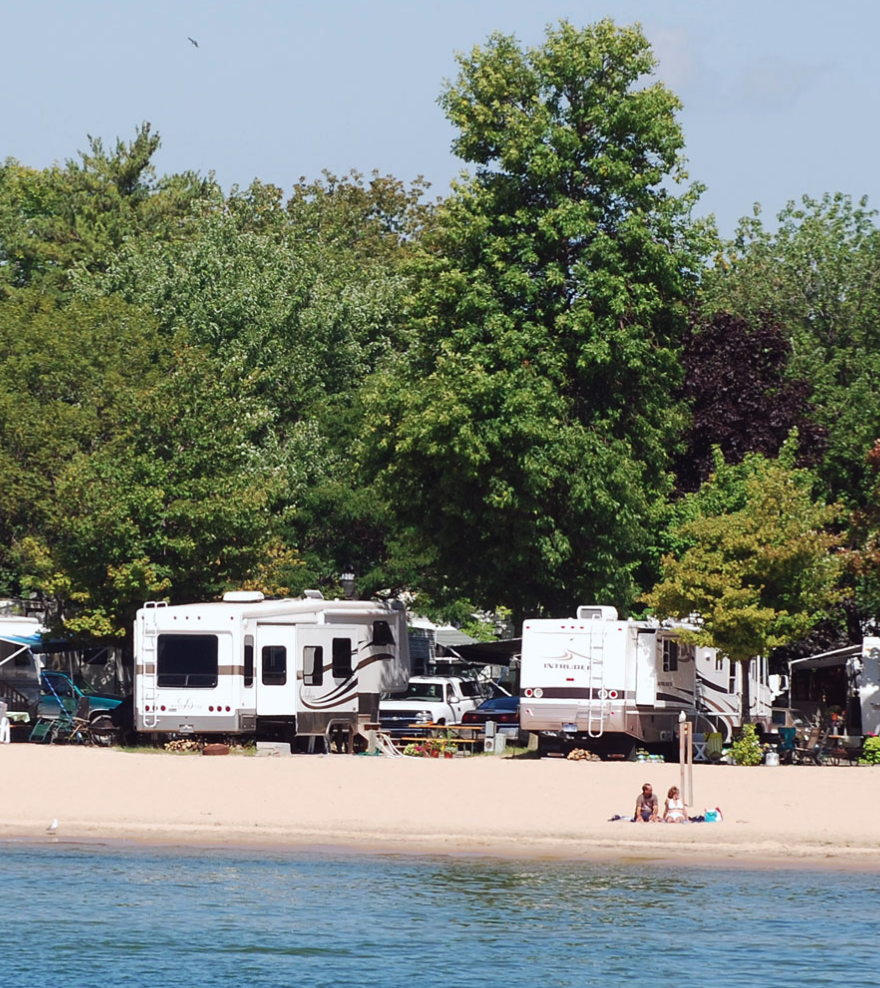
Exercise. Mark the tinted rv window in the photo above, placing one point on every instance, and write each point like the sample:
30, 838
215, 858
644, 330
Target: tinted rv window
670, 655
382, 633
248, 660
341, 658
187, 661
313, 665
274, 665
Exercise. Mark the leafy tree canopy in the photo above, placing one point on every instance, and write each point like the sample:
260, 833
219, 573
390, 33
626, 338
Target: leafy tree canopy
184, 499
75, 216
523, 437
755, 563
818, 277
741, 397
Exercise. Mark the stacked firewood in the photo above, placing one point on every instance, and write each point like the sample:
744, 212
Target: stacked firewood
184, 744
582, 755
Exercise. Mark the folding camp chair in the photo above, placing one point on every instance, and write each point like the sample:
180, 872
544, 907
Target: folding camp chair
714, 746
809, 751
787, 747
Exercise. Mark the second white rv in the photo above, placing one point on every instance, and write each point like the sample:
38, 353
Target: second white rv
267, 668
610, 684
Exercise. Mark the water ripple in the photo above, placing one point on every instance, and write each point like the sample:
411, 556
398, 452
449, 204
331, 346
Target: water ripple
93, 916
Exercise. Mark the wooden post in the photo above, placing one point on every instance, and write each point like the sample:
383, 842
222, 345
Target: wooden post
686, 759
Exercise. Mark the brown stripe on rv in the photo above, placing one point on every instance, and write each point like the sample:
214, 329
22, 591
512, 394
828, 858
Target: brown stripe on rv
221, 671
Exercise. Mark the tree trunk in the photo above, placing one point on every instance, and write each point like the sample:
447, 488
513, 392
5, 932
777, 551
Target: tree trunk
746, 711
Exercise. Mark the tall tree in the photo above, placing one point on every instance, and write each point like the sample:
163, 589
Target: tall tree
299, 300
755, 561
524, 436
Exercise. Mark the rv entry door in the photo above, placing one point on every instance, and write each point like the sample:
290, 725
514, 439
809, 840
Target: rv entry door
276, 670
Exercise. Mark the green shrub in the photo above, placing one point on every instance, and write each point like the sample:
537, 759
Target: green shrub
870, 752
746, 748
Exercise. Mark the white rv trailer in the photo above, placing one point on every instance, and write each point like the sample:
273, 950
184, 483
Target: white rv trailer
269, 668
610, 683
848, 678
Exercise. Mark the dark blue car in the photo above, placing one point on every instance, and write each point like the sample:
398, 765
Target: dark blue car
504, 711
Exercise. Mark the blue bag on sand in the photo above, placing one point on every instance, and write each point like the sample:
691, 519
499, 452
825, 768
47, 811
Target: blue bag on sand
711, 816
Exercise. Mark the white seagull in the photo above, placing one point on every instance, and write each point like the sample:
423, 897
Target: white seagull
53, 827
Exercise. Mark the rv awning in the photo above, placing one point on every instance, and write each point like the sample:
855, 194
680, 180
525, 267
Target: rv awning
33, 642
826, 660
494, 653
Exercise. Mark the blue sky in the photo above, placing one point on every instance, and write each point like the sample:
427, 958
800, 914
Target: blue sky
780, 96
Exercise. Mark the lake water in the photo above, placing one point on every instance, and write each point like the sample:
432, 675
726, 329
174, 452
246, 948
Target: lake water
78, 916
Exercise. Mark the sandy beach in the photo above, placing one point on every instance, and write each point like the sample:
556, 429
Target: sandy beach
793, 815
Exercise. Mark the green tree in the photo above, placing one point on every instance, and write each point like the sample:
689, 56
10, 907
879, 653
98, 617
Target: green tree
817, 275
75, 216
755, 564
523, 437
301, 301
184, 498
66, 375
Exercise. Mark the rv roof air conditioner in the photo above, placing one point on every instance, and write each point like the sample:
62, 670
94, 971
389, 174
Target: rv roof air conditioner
243, 597
595, 613
313, 594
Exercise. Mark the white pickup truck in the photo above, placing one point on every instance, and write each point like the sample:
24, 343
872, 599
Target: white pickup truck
430, 700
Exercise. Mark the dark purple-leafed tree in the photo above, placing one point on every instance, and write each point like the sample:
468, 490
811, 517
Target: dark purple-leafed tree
740, 397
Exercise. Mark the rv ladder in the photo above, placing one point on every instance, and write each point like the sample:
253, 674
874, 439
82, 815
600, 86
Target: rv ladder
596, 701
147, 659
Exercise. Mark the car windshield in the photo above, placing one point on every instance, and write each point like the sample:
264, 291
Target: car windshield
418, 691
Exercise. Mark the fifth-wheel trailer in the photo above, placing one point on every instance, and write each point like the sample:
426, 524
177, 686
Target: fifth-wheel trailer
610, 684
267, 668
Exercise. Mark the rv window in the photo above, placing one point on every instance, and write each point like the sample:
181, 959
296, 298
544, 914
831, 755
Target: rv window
382, 633
187, 661
341, 658
313, 665
274, 665
248, 660
670, 655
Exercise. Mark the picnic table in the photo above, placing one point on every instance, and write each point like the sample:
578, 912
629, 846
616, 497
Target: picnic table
464, 735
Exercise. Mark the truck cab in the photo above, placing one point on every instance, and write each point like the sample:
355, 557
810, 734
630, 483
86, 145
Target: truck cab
430, 700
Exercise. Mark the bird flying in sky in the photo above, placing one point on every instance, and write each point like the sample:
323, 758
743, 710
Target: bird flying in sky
192, 41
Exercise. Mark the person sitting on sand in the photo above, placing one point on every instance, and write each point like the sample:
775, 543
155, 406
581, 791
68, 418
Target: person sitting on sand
674, 811
647, 805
